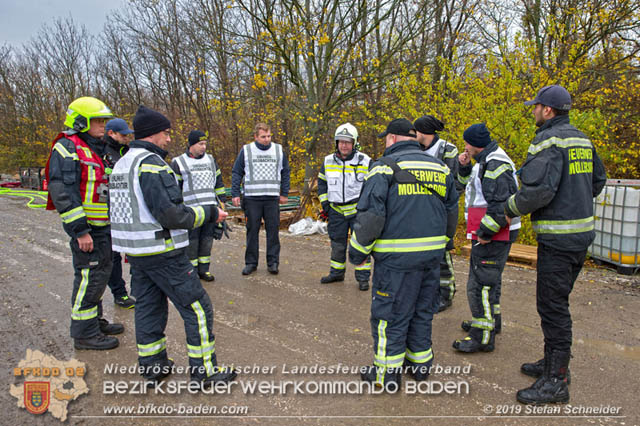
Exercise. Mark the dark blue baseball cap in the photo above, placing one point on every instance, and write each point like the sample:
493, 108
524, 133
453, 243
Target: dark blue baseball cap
553, 96
118, 125
400, 127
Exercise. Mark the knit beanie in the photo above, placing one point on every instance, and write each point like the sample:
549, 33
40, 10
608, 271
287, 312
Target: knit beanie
428, 125
196, 136
148, 122
477, 135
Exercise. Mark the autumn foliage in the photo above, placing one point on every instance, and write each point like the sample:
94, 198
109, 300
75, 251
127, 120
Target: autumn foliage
222, 65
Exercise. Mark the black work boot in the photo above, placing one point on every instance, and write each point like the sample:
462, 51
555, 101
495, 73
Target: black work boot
363, 285
331, 278
472, 343
536, 369
110, 329
157, 371
207, 276
391, 381
552, 386
444, 304
419, 372
125, 302
533, 369
249, 269
224, 375
99, 342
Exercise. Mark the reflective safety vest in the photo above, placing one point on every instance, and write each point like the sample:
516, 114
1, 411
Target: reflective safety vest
134, 230
345, 178
198, 179
474, 197
94, 182
439, 150
262, 170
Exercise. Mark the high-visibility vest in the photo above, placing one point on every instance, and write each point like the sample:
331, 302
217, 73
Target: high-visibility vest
262, 170
198, 179
93, 181
345, 178
473, 196
134, 230
439, 150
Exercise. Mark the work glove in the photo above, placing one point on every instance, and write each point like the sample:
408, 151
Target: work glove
218, 230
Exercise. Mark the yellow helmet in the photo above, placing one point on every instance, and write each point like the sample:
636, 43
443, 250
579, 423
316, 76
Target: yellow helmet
82, 110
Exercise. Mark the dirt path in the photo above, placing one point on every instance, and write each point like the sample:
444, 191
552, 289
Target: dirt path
280, 323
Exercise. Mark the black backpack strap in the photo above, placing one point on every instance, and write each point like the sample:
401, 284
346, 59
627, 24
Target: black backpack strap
399, 175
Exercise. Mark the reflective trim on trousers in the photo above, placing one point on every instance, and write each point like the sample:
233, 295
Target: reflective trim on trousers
486, 306
201, 351
381, 359
365, 267
84, 315
154, 348
419, 357
76, 313
204, 336
482, 323
338, 265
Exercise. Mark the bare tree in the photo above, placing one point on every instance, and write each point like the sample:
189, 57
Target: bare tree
315, 44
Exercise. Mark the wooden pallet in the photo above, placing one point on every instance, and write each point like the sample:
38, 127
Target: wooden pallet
519, 255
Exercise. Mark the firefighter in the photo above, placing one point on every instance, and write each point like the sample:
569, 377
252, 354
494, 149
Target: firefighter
201, 182
339, 185
488, 184
265, 169
150, 224
407, 210
116, 140
427, 128
78, 191
561, 175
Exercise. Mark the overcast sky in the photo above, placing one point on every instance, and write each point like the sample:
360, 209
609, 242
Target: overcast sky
21, 19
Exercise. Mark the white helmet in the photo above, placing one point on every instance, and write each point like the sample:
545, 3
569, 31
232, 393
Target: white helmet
347, 130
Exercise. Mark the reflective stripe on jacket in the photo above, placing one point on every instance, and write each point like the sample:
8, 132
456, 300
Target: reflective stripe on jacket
344, 178
493, 166
404, 225
93, 183
262, 170
198, 179
134, 230
560, 177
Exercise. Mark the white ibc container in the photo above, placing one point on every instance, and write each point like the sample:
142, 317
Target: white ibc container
617, 224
